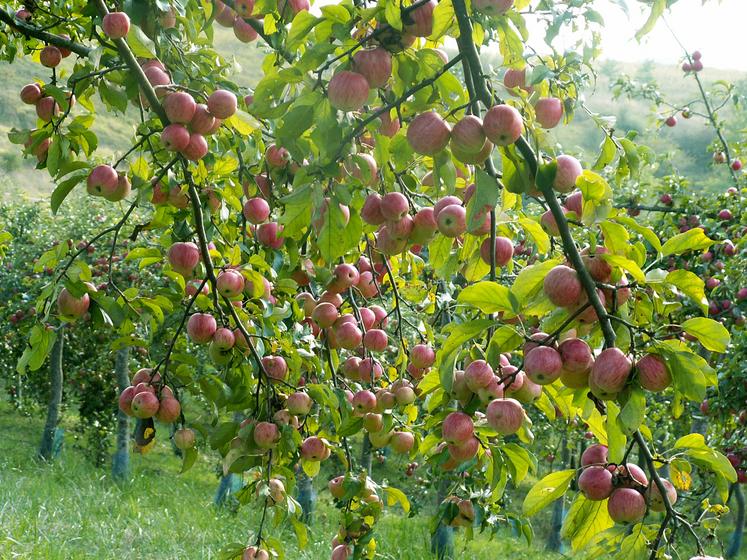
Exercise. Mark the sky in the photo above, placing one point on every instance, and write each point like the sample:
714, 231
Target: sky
716, 29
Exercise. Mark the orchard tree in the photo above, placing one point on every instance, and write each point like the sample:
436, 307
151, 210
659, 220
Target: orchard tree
380, 239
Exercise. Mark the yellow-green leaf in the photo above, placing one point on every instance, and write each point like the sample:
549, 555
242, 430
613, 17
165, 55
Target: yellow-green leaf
547, 490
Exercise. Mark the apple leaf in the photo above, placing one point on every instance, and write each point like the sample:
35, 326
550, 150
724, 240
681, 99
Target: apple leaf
547, 490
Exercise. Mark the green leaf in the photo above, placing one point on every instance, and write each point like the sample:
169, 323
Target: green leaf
616, 439
633, 412
699, 453
657, 9
646, 232
393, 15
692, 240
585, 520
616, 237
488, 297
538, 235
461, 333
311, 468
607, 154
302, 24
64, 188
530, 279
626, 264
593, 187
520, 461
504, 339
691, 374
689, 284
139, 43
711, 334
396, 496
547, 490
189, 456
485, 198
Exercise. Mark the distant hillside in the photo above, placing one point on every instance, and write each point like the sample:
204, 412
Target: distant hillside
685, 145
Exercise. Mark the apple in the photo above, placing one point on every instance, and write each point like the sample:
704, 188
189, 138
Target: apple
655, 500
596, 454
375, 340
443, 203
653, 373
175, 137
244, 8
505, 416
422, 356
548, 111
222, 104
468, 134
515, 78
402, 442
371, 210
266, 434
168, 411
421, 20
50, 56
478, 375
428, 133
543, 365
102, 181
375, 65
568, 171
562, 286
196, 148
256, 210
609, 373
201, 327
457, 428
389, 126
394, 206
348, 91
180, 107
671, 121
116, 25
626, 505
313, 448
503, 125
125, 400
595, 483
364, 401
230, 283
184, 438
202, 121
31, 93
72, 307
504, 251
366, 173
244, 31
452, 220
184, 257
144, 405
275, 367
270, 235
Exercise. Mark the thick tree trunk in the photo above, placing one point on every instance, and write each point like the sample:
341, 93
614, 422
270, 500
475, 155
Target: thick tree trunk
47, 447
225, 489
554, 541
306, 497
366, 455
735, 543
121, 459
442, 540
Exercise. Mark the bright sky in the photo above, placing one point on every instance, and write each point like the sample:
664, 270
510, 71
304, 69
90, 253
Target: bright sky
716, 29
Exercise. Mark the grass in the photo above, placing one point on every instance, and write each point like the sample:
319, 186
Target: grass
69, 510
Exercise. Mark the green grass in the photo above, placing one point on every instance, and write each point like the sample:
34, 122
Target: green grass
69, 510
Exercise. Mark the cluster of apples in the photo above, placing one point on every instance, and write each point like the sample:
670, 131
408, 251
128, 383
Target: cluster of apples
362, 496
46, 105
190, 121
148, 397
626, 487
108, 183
238, 17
